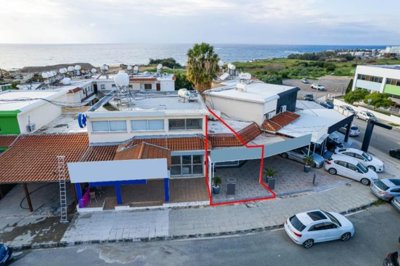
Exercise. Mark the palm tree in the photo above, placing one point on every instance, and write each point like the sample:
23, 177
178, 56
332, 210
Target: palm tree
202, 66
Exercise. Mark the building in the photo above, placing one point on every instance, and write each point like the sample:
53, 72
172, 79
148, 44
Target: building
379, 78
148, 81
251, 100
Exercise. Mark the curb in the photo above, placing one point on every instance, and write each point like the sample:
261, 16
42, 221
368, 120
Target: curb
163, 238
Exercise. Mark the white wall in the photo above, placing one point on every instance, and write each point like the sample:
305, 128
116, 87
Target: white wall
167, 85
241, 110
375, 71
115, 137
369, 85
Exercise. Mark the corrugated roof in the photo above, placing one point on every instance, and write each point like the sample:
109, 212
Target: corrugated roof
33, 158
279, 121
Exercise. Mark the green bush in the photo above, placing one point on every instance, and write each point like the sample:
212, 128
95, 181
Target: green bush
377, 99
167, 62
181, 81
356, 95
271, 78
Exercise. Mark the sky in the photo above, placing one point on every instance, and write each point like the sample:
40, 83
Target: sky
187, 21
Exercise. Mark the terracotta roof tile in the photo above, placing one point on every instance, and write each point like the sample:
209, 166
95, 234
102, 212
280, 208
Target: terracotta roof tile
143, 150
6, 140
174, 143
229, 139
279, 121
99, 153
33, 158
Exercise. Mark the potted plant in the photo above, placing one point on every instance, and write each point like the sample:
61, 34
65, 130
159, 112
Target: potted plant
308, 162
269, 173
216, 187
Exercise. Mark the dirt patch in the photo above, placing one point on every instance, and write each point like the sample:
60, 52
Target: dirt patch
44, 231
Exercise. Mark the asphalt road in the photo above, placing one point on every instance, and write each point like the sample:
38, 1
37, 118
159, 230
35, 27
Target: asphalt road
382, 139
377, 231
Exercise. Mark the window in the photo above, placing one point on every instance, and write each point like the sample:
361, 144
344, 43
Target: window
102, 86
182, 165
351, 167
283, 108
341, 163
109, 126
147, 86
141, 125
182, 124
297, 223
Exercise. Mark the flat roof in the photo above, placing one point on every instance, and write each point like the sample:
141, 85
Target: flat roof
66, 123
156, 102
216, 127
16, 100
304, 105
395, 67
254, 91
313, 121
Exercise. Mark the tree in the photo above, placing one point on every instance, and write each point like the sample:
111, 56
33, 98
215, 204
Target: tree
167, 62
202, 66
378, 99
182, 81
356, 95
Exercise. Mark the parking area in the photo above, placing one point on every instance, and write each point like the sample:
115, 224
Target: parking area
290, 179
334, 86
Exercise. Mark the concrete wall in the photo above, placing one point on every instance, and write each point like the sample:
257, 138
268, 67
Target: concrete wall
167, 85
241, 110
369, 85
384, 73
116, 137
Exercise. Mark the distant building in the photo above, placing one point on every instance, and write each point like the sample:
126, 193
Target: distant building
380, 78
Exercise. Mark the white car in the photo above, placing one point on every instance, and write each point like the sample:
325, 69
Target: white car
350, 167
365, 158
365, 115
316, 226
317, 87
354, 131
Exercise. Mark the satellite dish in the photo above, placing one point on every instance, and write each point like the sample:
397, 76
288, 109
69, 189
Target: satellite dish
44, 75
49, 74
82, 120
121, 79
66, 81
135, 69
104, 67
70, 68
54, 73
221, 63
129, 67
77, 67
93, 70
159, 67
231, 66
245, 76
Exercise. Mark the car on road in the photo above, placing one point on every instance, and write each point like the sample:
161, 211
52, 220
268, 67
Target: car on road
308, 97
317, 87
305, 81
354, 131
299, 155
343, 108
363, 157
327, 105
308, 228
5, 254
386, 189
365, 115
396, 203
395, 153
349, 167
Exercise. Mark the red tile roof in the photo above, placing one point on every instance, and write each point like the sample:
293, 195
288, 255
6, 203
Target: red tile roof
229, 139
75, 90
279, 121
33, 158
173, 144
143, 150
6, 140
99, 153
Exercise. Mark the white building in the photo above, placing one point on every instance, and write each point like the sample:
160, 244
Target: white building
252, 100
380, 78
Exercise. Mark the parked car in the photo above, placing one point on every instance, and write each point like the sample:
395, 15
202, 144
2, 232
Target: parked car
5, 254
365, 115
301, 153
317, 87
395, 153
308, 97
365, 158
396, 203
350, 167
354, 131
316, 226
392, 259
386, 188
305, 81
347, 108
327, 105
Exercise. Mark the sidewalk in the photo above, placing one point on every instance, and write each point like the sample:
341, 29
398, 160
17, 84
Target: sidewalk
208, 221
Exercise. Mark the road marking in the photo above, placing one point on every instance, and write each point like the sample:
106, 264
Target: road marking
357, 212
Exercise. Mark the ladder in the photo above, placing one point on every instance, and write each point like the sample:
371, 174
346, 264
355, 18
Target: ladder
63, 188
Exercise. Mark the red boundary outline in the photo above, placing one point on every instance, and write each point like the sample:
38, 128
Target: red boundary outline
260, 180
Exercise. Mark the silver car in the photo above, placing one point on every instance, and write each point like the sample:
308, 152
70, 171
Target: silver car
386, 188
396, 203
301, 153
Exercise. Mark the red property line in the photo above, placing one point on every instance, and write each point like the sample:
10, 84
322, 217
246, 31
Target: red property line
260, 180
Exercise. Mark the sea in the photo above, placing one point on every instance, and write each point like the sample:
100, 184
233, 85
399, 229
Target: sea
19, 55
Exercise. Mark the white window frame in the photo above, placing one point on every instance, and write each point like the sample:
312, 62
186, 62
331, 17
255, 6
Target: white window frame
108, 130
147, 126
185, 124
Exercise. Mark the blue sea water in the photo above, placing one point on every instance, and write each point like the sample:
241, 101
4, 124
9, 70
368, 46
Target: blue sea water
20, 55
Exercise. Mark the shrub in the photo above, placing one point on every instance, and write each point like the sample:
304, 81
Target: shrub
378, 99
356, 95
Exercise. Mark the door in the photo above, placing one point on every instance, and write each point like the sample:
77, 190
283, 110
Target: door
158, 86
353, 172
340, 167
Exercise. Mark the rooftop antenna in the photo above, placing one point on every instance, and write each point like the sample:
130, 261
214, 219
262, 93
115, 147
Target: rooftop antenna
77, 69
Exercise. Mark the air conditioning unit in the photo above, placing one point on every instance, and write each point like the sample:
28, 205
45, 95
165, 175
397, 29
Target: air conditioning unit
283, 108
271, 115
31, 127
